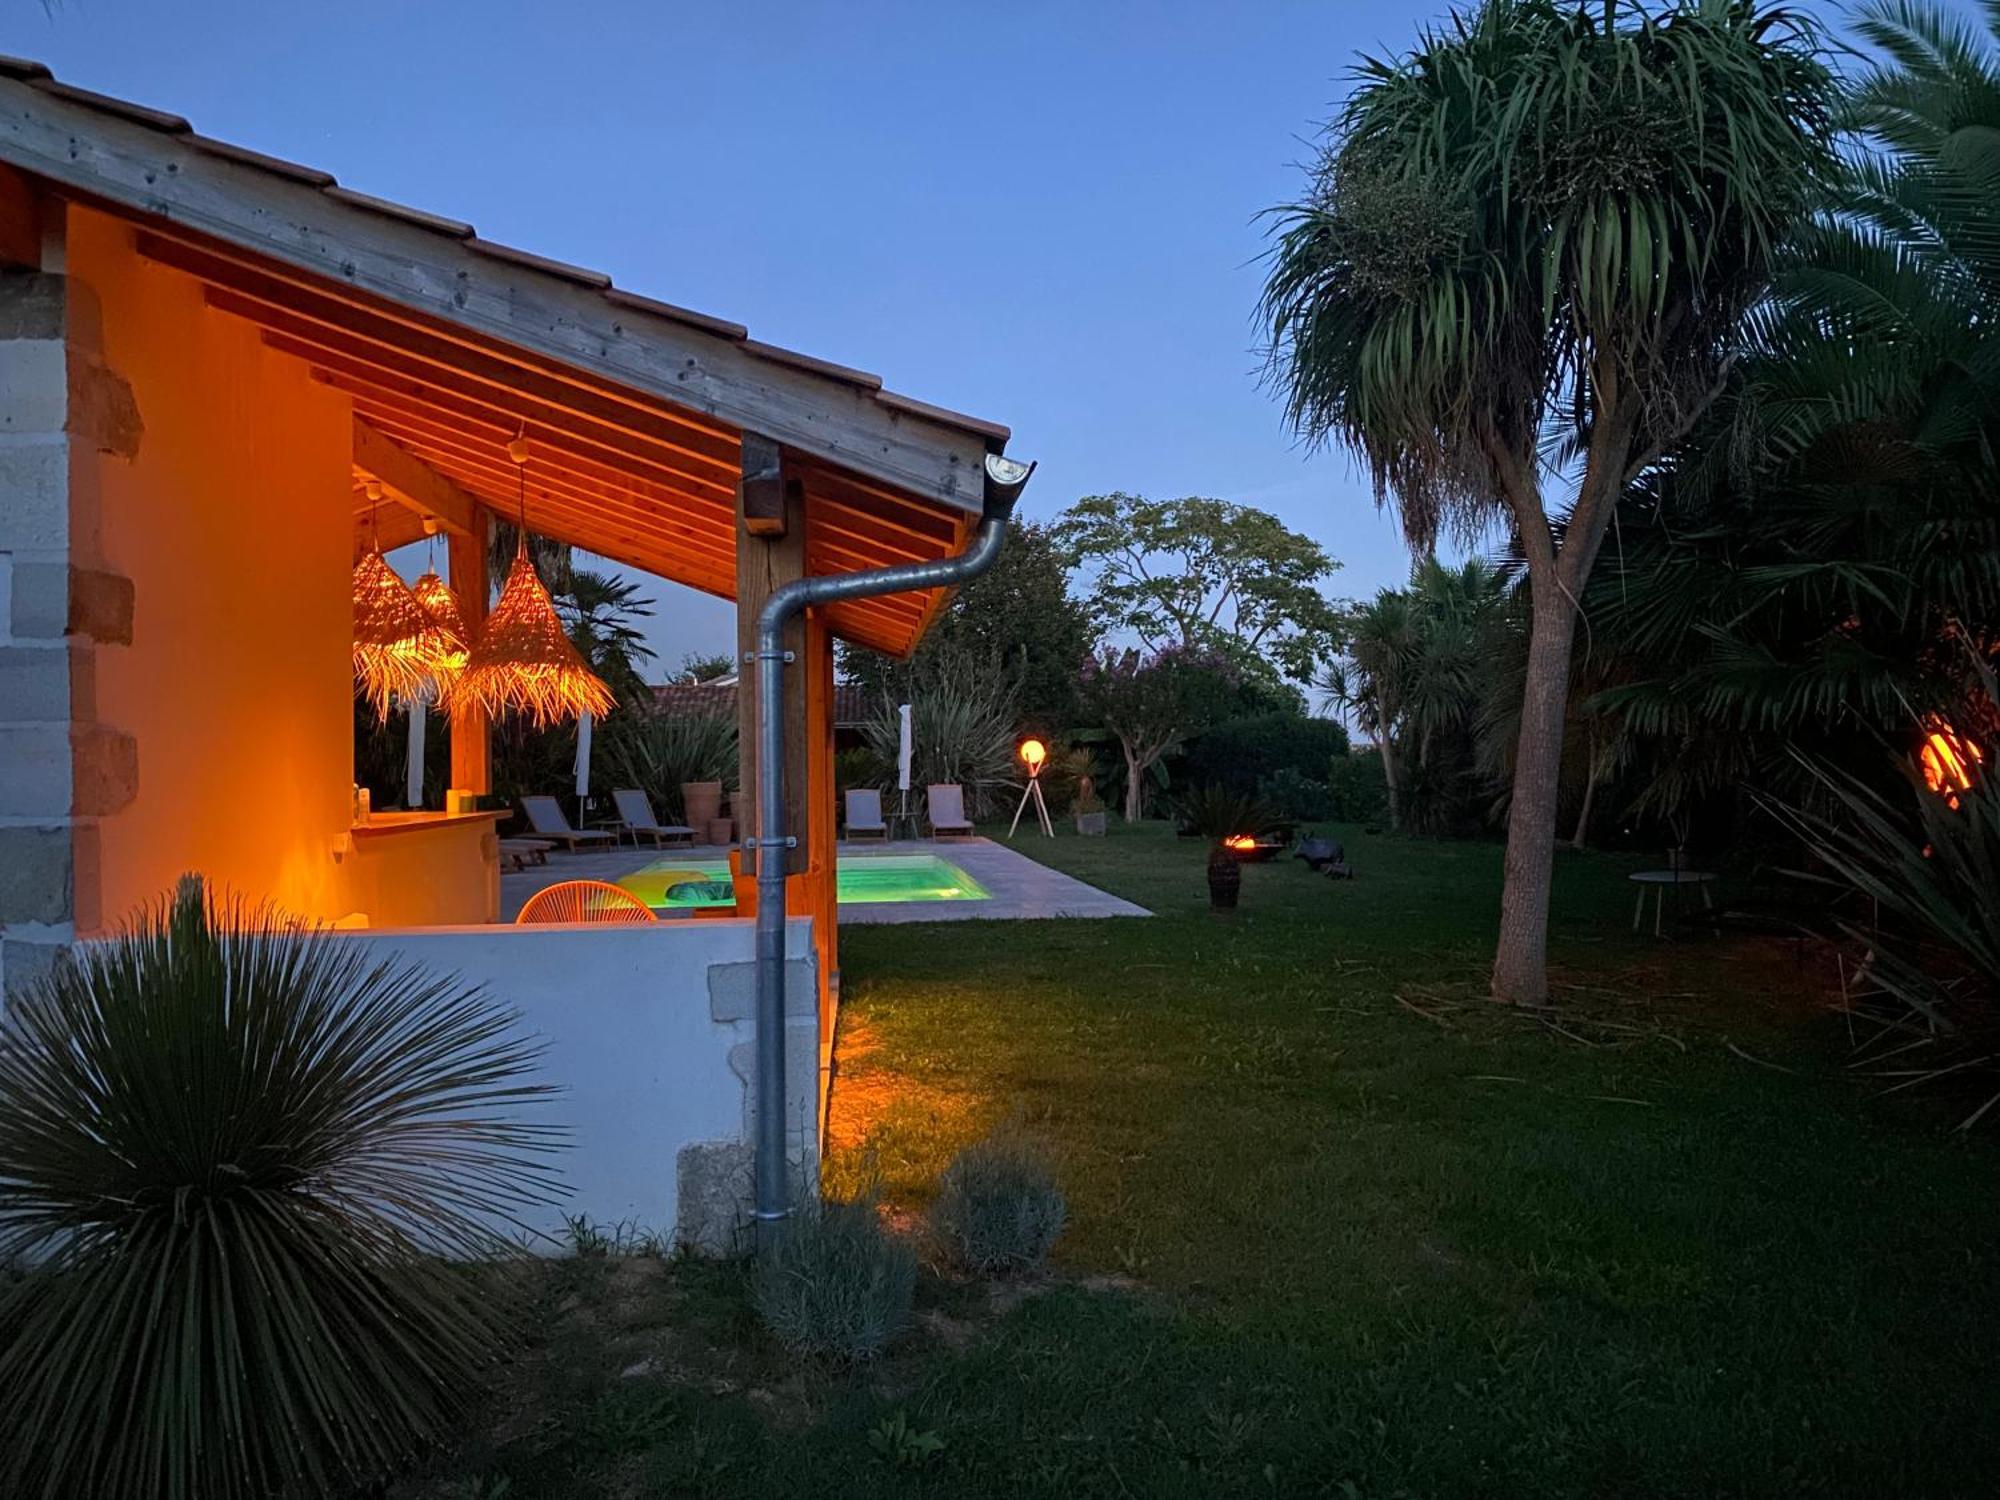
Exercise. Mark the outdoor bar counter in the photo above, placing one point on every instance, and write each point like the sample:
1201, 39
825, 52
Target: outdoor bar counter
425, 869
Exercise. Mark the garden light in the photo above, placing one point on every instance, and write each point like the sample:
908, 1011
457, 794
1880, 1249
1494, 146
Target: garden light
1034, 755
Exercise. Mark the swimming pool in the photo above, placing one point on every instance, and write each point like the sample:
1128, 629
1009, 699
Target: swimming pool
694, 884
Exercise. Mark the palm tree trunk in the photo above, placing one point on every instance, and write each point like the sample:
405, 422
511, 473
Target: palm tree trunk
1388, 751
1520, 966
1135, 793
1578, 840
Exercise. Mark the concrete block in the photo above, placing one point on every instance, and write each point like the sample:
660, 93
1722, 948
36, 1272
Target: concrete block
39, 600
33, 305
34, 493
801, 1082
34, 386
100, 606
106, 776
37, 877
732, 990
86, 879
715, 1187
34, 682
25, 961
34, 771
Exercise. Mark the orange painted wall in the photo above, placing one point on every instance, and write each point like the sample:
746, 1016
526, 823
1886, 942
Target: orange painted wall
233, 523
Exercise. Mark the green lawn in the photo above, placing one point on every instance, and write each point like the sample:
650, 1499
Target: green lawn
1338, 1226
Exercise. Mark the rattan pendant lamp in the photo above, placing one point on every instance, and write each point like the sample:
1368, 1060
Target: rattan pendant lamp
397, 644
440, 602
523, 661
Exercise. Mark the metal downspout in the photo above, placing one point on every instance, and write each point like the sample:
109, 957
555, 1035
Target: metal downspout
1004, 480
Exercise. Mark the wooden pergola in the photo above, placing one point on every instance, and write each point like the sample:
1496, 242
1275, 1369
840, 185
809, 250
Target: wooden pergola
660, 438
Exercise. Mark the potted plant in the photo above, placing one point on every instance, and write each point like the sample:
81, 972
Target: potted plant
1220, 816
1088, 808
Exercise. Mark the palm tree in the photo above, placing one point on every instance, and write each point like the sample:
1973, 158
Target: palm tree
1521, 269
1371, 680
1414, 674
1807, 565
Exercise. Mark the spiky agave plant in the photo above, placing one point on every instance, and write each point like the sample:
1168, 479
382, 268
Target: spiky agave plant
237, 1160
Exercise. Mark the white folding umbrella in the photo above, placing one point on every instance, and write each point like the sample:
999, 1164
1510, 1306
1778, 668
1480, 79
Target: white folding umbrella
583, 757
413, 771
904, 748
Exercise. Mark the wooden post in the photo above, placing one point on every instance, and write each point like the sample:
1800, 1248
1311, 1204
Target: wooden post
770, 496
471, 744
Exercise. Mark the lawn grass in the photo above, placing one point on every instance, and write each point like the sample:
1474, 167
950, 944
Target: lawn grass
1338, 1225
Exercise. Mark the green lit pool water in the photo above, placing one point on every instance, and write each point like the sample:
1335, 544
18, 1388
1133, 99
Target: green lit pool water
689, 884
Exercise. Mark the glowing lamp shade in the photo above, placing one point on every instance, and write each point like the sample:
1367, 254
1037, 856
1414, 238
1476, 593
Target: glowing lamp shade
524, 662
1949, 761
441, 604
1033, 754
1241, 842
397, 645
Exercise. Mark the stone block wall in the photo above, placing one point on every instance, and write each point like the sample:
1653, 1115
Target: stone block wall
37, 839
61, 409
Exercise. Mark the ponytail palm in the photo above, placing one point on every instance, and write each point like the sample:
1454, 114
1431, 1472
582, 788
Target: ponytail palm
1520, 275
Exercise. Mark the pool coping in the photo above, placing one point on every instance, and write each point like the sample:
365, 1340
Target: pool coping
1019, 888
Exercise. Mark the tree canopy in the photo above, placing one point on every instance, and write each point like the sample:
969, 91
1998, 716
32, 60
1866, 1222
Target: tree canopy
1204, 575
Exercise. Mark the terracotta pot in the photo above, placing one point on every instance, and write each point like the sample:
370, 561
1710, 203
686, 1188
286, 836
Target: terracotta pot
721, 830
1225, 879
702, 802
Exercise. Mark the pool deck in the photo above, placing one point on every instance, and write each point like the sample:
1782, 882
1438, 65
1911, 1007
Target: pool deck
1018, 888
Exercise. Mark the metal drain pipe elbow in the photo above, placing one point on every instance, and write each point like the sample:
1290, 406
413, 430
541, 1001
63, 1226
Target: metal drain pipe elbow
1004, 480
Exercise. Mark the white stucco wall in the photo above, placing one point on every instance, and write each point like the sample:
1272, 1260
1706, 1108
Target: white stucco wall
648, 1034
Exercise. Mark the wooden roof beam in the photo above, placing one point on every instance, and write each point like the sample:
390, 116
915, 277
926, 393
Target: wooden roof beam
414, 484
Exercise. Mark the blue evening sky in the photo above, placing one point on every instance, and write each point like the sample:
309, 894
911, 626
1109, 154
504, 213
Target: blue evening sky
1042, 213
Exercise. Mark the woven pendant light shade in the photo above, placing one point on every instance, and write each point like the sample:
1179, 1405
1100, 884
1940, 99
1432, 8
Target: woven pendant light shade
441, 604
397, 645
524, 661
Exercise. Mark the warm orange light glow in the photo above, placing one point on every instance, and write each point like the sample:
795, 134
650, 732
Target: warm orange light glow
441, 604
1239, 841
1949, 761
523, 661
397, 645
1033, 754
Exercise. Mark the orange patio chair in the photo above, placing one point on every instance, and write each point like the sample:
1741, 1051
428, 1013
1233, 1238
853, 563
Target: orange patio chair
584, 901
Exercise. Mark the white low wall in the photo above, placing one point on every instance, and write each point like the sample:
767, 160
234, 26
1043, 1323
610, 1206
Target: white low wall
650, 1033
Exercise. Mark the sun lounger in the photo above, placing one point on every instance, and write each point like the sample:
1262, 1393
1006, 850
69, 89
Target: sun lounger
635, 814
946, 805
518, 854
864, 814
545, 817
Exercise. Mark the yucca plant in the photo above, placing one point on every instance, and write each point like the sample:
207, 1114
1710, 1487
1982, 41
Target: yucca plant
661, 752
238, 1159
962, 730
